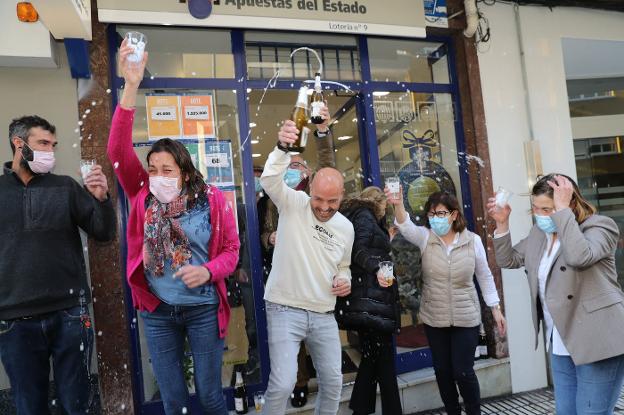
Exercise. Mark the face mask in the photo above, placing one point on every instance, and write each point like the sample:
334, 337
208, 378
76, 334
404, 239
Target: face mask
292, 178
440, 226
165, 189
258, 185
545, 223
42, 161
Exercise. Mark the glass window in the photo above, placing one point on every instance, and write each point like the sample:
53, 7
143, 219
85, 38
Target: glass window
241, 343
186, 53
408, 61
266, 52
594, 97
416, 142
600, 175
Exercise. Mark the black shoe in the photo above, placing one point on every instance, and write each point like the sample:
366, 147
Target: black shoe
299, 396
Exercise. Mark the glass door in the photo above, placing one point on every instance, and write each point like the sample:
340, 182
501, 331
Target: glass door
418, 138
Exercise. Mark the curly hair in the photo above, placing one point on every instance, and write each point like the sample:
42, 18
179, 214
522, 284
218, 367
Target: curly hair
375, 195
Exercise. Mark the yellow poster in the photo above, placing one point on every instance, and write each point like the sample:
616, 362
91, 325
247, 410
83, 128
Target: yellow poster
163, 116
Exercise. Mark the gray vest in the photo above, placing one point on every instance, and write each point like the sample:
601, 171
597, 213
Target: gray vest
449, 295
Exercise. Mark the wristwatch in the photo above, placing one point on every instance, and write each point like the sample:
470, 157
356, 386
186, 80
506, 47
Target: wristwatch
496, 307
282, 147
322, 134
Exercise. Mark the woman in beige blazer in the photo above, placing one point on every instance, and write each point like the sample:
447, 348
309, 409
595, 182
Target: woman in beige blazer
569, 260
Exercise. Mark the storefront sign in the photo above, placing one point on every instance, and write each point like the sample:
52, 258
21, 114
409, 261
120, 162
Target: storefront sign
404, 18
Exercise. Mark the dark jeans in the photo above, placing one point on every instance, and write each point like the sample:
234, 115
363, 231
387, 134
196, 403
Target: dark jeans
452, 349
165, 331
377, 366
26, 346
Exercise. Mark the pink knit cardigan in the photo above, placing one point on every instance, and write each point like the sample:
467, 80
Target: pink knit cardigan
224, 243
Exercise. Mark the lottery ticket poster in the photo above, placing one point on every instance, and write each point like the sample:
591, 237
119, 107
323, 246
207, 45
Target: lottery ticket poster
198, 121
216, 158
163, 116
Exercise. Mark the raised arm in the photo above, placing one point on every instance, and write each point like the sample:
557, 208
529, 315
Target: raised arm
585, 248
272, 179
417, 235
127, 166
507, 256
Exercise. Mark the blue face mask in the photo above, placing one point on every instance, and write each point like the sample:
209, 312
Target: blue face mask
258, 185
292, 178
545, 223
440, 226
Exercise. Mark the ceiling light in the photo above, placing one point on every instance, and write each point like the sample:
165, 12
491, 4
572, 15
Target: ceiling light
255, 141
344, 137
380, 93
256, 155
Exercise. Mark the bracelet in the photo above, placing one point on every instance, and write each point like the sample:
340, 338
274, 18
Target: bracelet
281, 147
496, 307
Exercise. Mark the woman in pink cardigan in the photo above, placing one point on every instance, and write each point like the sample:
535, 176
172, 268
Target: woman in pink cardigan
182, 244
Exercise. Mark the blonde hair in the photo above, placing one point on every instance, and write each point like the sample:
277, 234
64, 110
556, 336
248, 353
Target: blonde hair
375, 195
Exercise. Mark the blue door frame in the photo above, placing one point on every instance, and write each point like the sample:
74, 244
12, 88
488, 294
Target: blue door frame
370, 165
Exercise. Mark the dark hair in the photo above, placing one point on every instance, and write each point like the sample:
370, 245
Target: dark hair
181, 156
20, 127
450, 202
580, 206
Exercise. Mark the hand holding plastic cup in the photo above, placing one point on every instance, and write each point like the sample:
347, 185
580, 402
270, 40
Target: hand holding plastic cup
387, 268
502, 197
137, 41
394, 186
86, 165
259, 401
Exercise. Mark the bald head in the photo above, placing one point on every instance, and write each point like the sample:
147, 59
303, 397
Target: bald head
326, 192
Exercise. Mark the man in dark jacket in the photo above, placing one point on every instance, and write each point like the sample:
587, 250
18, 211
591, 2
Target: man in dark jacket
44, 293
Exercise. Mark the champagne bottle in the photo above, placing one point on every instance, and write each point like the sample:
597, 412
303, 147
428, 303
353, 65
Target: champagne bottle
300, 117
318, 101
240, 395
483, 350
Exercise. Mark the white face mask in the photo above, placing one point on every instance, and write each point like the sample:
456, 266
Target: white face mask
165, 189
43, 162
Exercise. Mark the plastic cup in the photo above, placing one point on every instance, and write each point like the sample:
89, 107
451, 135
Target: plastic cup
259, 401
387, 268
137, 41
502, 197
394, 186
86, 165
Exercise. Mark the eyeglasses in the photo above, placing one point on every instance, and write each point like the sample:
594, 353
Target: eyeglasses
297, 165
439, 213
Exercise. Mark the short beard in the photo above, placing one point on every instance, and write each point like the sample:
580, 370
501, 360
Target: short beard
24, 165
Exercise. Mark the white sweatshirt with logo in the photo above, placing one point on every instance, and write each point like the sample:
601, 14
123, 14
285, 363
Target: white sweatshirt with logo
308, 253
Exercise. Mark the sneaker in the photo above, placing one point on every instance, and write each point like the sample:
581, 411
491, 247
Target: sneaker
299, 396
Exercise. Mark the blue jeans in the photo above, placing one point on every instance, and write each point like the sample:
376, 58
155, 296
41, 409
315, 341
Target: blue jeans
165, 331
287, 328
26, 346
592, 388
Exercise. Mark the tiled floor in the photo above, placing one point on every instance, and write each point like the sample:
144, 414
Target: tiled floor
540, 402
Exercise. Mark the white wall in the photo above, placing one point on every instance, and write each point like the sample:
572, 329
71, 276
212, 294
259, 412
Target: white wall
508, 125
49, 93
24, 44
